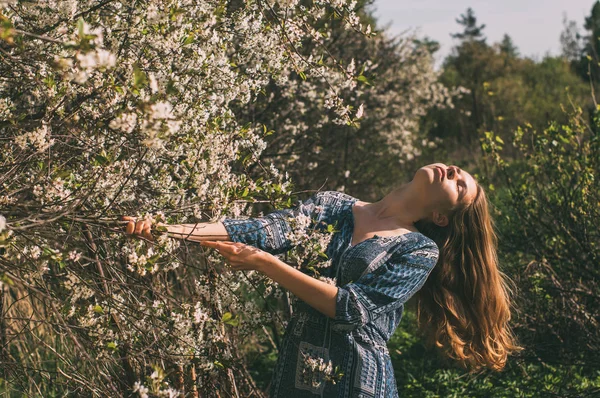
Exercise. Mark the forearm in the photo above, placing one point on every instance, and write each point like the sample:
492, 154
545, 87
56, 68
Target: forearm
197, 232
317, 294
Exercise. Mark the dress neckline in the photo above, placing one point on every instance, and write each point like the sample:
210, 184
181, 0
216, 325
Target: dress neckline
375, 236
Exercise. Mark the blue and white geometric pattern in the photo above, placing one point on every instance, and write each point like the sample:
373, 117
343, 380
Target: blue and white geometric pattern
375, 278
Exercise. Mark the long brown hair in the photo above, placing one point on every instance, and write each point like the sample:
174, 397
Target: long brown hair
464, 307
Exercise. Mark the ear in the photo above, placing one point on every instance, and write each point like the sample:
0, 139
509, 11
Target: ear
439, 219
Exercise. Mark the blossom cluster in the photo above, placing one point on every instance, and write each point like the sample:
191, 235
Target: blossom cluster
310, 242
316, 370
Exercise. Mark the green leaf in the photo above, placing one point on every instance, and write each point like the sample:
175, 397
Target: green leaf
101, 160
219, 364
98, 309
6, 29
229, 319
49, 81
4, 278
226, 316
153, 259
189, 39
161, 228
80, 24
139, 77
363, 79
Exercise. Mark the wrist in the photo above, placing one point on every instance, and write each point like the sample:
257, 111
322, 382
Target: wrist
268, 263
172, 229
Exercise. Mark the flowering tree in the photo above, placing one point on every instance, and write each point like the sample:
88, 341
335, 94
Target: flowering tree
145, 108
389, 82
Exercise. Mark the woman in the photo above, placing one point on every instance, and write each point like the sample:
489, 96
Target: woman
433, 233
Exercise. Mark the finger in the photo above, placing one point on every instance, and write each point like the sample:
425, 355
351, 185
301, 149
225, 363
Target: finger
139, 226
218, 246
234, 247
221, 246
129, 227
146, 231
226, 243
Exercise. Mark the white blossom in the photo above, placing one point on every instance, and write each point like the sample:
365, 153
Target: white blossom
140, 389
361, 111
105, 59
39, 139
161, 110
74, 255
125, 122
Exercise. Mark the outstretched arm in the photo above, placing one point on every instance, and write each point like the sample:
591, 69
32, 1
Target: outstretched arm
269, 233
319, 295
197, 232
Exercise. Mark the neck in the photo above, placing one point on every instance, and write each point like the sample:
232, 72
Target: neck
401, 207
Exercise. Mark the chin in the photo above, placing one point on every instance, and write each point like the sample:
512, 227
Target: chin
425, 172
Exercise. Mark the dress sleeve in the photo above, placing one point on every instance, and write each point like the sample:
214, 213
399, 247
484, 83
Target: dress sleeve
385, 289
271, 233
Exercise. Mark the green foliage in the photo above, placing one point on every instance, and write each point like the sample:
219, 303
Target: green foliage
541, 165
503, 91
420, 373
548, 209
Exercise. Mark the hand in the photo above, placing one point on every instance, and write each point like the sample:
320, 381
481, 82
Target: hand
140, 228
241, 256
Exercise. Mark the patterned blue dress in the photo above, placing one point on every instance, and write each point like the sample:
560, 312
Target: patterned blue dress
375, 278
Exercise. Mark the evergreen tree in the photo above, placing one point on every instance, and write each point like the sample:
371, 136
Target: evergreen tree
472, 32
431, 45
508, 47
590, 54
570, 40
592, 25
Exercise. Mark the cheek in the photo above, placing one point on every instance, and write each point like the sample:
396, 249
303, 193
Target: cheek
448, 197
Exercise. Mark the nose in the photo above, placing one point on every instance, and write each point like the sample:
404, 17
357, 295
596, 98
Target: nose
455, 171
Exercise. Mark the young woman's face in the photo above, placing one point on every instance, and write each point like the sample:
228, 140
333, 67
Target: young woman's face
444, 187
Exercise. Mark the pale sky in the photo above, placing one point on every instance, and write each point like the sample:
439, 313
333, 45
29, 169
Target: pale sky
534, 25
